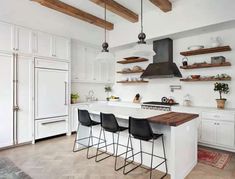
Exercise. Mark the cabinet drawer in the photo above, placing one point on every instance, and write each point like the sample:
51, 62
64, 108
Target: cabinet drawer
222, 116
50, 127
42, 63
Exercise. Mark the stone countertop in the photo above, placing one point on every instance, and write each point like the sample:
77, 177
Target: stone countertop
154, 116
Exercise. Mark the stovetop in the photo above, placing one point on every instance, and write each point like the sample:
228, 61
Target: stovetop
159, 103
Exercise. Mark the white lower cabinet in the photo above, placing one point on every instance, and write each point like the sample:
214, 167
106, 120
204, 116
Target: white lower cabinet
218, 129
50, 127
208, 131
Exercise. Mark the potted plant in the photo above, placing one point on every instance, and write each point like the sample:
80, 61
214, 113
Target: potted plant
221, 88
107, 90
74, 98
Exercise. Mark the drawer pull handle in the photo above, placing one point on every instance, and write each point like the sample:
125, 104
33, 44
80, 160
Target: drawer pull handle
45, 123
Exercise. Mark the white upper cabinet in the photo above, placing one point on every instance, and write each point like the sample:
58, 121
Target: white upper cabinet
85, 67
42, 44
6, 37
23, 40
48, 45
61, 47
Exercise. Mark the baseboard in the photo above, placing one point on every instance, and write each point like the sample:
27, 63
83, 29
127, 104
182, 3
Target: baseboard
216, 147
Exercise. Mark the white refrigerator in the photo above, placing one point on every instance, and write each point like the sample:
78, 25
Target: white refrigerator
51, 98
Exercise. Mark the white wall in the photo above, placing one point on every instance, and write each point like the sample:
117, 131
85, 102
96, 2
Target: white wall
201, 92
33, 15
185, 15
83, 88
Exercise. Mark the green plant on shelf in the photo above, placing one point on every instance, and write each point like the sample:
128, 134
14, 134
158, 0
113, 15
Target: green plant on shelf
221, 88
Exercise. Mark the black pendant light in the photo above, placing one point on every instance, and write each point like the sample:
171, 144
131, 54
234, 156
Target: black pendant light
142, 49
105, 54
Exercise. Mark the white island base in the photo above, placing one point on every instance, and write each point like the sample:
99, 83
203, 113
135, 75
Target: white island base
180, 141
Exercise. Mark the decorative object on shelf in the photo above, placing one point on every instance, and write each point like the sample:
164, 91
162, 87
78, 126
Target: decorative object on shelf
205, 65
215, 41
187, 101
114, 98
142, 49
125, 81
107, 90
105, 54
221, 88
195, 77
223, 77
195, 47
185, 61
137, 98
74, 98
133, 60
218, 60
136, 68
206, 51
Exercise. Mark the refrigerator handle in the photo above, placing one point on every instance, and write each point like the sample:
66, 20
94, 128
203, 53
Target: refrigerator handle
13, 108
65, 93
16, 98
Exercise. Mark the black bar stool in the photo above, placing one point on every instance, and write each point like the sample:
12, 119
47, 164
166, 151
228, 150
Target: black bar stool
109, 124
84, 119
141, 129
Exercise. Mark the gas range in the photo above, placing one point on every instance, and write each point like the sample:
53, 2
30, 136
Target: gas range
154, 105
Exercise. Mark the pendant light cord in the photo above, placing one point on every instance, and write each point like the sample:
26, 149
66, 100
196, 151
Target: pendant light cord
105, 21
142, 17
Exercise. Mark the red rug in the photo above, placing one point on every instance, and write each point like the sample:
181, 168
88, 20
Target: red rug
213, 158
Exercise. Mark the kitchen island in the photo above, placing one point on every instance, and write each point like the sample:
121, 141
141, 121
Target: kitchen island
179, 129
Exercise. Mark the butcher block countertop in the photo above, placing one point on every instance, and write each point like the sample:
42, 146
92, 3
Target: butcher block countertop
173, 118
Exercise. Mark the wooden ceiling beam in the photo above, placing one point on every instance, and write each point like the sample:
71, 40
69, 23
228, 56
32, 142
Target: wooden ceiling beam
74, 12
164, 5
118, 9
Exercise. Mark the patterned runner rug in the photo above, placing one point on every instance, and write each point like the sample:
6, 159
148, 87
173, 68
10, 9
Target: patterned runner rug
213, 158
8, 170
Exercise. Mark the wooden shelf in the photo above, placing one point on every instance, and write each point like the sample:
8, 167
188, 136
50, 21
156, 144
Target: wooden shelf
205, 79
206, 50
129, 72
132, 82
133, 60
205, 65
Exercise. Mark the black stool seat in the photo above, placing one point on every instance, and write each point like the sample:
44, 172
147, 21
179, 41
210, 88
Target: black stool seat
140, 129
84, 119
94, 123
109, 123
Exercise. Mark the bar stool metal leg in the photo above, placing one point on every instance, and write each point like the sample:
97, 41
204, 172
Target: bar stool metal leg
164, 152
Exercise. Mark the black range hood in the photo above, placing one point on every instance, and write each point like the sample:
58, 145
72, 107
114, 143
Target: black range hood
163, 65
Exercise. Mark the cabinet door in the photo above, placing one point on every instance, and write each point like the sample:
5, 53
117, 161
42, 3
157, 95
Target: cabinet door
111, 72
43, 44
225, 133
6, 37
104, 69
78, 62
24, 99
23, 40
89, 64
6, 100
61, 48
208, 131
51, 93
